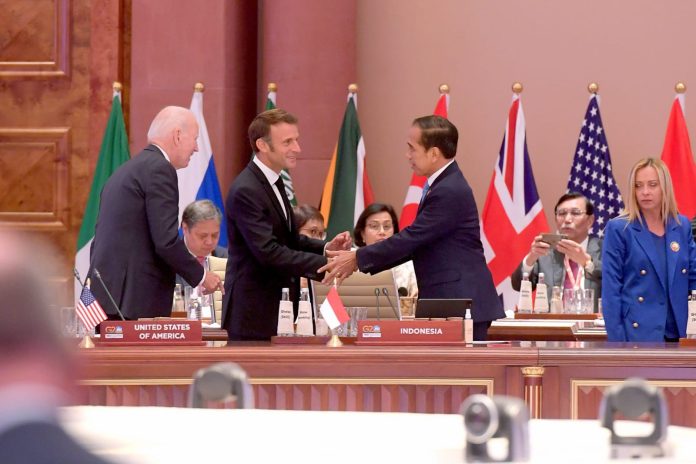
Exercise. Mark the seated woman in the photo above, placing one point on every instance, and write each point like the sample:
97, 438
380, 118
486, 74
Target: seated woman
649, 261
376, 223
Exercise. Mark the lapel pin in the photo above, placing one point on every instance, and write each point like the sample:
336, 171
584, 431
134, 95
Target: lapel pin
674, 246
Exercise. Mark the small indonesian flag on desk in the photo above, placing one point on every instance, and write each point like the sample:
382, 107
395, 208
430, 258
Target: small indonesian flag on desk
333, 310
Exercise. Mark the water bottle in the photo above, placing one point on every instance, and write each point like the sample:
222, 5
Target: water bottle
541, 301
524, 303
285, 314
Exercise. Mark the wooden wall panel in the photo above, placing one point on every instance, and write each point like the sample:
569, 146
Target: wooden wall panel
58, 59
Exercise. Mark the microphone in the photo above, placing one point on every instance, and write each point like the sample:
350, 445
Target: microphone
108, 293
377, 298
385, 292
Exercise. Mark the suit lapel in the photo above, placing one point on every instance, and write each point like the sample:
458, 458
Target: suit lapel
269, 192
647, 243
671, 236
441, 177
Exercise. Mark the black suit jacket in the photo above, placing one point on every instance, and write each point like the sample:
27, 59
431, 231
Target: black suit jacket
265, 255
137, 248
445, 245
42, 443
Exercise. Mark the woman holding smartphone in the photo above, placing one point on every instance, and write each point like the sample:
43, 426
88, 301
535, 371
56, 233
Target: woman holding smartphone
649, 260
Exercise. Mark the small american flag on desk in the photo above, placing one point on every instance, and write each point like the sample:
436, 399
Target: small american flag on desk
89, 310
591, 172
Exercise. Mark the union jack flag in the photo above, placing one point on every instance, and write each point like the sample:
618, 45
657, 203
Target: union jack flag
89, 310
512, 215
591, 172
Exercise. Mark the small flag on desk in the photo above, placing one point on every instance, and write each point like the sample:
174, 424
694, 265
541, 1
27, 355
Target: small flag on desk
333, 310
89, 310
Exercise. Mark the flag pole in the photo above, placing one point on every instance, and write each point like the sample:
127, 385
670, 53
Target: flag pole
86, 341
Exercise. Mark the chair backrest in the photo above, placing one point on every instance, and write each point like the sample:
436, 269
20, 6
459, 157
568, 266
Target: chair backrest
218, 266
360, 290
221, 382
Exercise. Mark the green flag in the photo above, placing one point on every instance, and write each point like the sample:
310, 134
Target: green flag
113, 153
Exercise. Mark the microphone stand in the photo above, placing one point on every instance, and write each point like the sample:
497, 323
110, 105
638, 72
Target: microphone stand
385, 292
108, 293
377, 298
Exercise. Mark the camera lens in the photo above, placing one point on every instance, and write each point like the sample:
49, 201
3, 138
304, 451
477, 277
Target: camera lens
480, 418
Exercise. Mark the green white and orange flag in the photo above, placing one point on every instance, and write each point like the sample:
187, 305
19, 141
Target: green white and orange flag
347, 188
284, 174
113, 153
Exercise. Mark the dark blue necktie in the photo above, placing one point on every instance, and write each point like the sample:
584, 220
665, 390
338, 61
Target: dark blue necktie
426, 187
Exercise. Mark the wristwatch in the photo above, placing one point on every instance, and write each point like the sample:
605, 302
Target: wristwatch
589, 266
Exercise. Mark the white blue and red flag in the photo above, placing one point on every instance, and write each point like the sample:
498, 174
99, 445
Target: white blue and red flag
512, 215
199, 180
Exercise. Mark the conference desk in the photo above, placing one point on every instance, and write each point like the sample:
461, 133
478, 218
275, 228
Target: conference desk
558, 380
158, 435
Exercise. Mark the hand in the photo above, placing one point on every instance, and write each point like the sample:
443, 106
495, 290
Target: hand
573, 251
341, 264
538, 249
342, 241
211, 283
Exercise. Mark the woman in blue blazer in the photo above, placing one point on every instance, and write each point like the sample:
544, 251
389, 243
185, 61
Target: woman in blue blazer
649, 261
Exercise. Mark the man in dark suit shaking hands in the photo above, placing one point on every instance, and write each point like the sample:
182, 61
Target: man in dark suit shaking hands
266, 252
137, 248
444, 240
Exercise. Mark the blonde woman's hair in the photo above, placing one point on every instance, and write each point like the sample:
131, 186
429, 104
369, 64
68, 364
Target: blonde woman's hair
669, 204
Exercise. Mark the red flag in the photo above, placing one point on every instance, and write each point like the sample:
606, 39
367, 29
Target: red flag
333, 310
676, 153
415, 189
512, 215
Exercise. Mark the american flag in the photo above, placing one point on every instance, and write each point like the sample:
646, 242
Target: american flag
89, 310
591, 172
512, 215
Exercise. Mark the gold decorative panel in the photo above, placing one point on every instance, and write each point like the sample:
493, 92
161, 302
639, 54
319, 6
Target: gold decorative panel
586, 396
34, 186
34, 38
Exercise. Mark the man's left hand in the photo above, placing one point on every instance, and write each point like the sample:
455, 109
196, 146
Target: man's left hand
342, 241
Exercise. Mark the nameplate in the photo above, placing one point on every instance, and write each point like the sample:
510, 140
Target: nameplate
151, 332
409, 332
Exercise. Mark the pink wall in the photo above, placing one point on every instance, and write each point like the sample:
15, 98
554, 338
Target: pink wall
175, 45
635, 49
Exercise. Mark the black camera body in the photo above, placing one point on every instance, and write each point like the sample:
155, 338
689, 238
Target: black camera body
497, 417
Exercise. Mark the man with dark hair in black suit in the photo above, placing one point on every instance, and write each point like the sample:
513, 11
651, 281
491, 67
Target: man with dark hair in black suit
266, 252
444, 240
137, 248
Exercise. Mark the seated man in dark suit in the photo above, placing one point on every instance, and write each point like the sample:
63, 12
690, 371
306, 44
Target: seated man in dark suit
580, 253
201, 226
37, 367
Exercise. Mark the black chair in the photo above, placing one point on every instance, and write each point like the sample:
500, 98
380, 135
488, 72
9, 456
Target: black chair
221, 382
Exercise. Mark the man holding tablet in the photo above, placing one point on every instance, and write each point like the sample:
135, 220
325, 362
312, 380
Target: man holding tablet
570, 258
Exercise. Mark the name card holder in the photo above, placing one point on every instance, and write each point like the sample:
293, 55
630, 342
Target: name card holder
165, 332
410, 332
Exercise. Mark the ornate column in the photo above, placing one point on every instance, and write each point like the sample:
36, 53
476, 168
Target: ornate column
533, 379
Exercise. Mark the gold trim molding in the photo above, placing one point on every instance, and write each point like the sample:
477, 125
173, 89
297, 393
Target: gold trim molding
576, 384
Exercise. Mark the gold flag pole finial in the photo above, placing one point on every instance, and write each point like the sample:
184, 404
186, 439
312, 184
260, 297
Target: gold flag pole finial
117, 86
517, 88
353, 88
272, 87
680, 87
199, 87
444, 88
593, 87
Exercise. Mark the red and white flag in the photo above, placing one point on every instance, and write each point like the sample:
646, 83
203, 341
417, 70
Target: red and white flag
512, 215
676, 153
89, 310
415, 189
332, 309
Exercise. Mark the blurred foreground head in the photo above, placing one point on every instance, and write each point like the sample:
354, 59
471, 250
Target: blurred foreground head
33, 350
